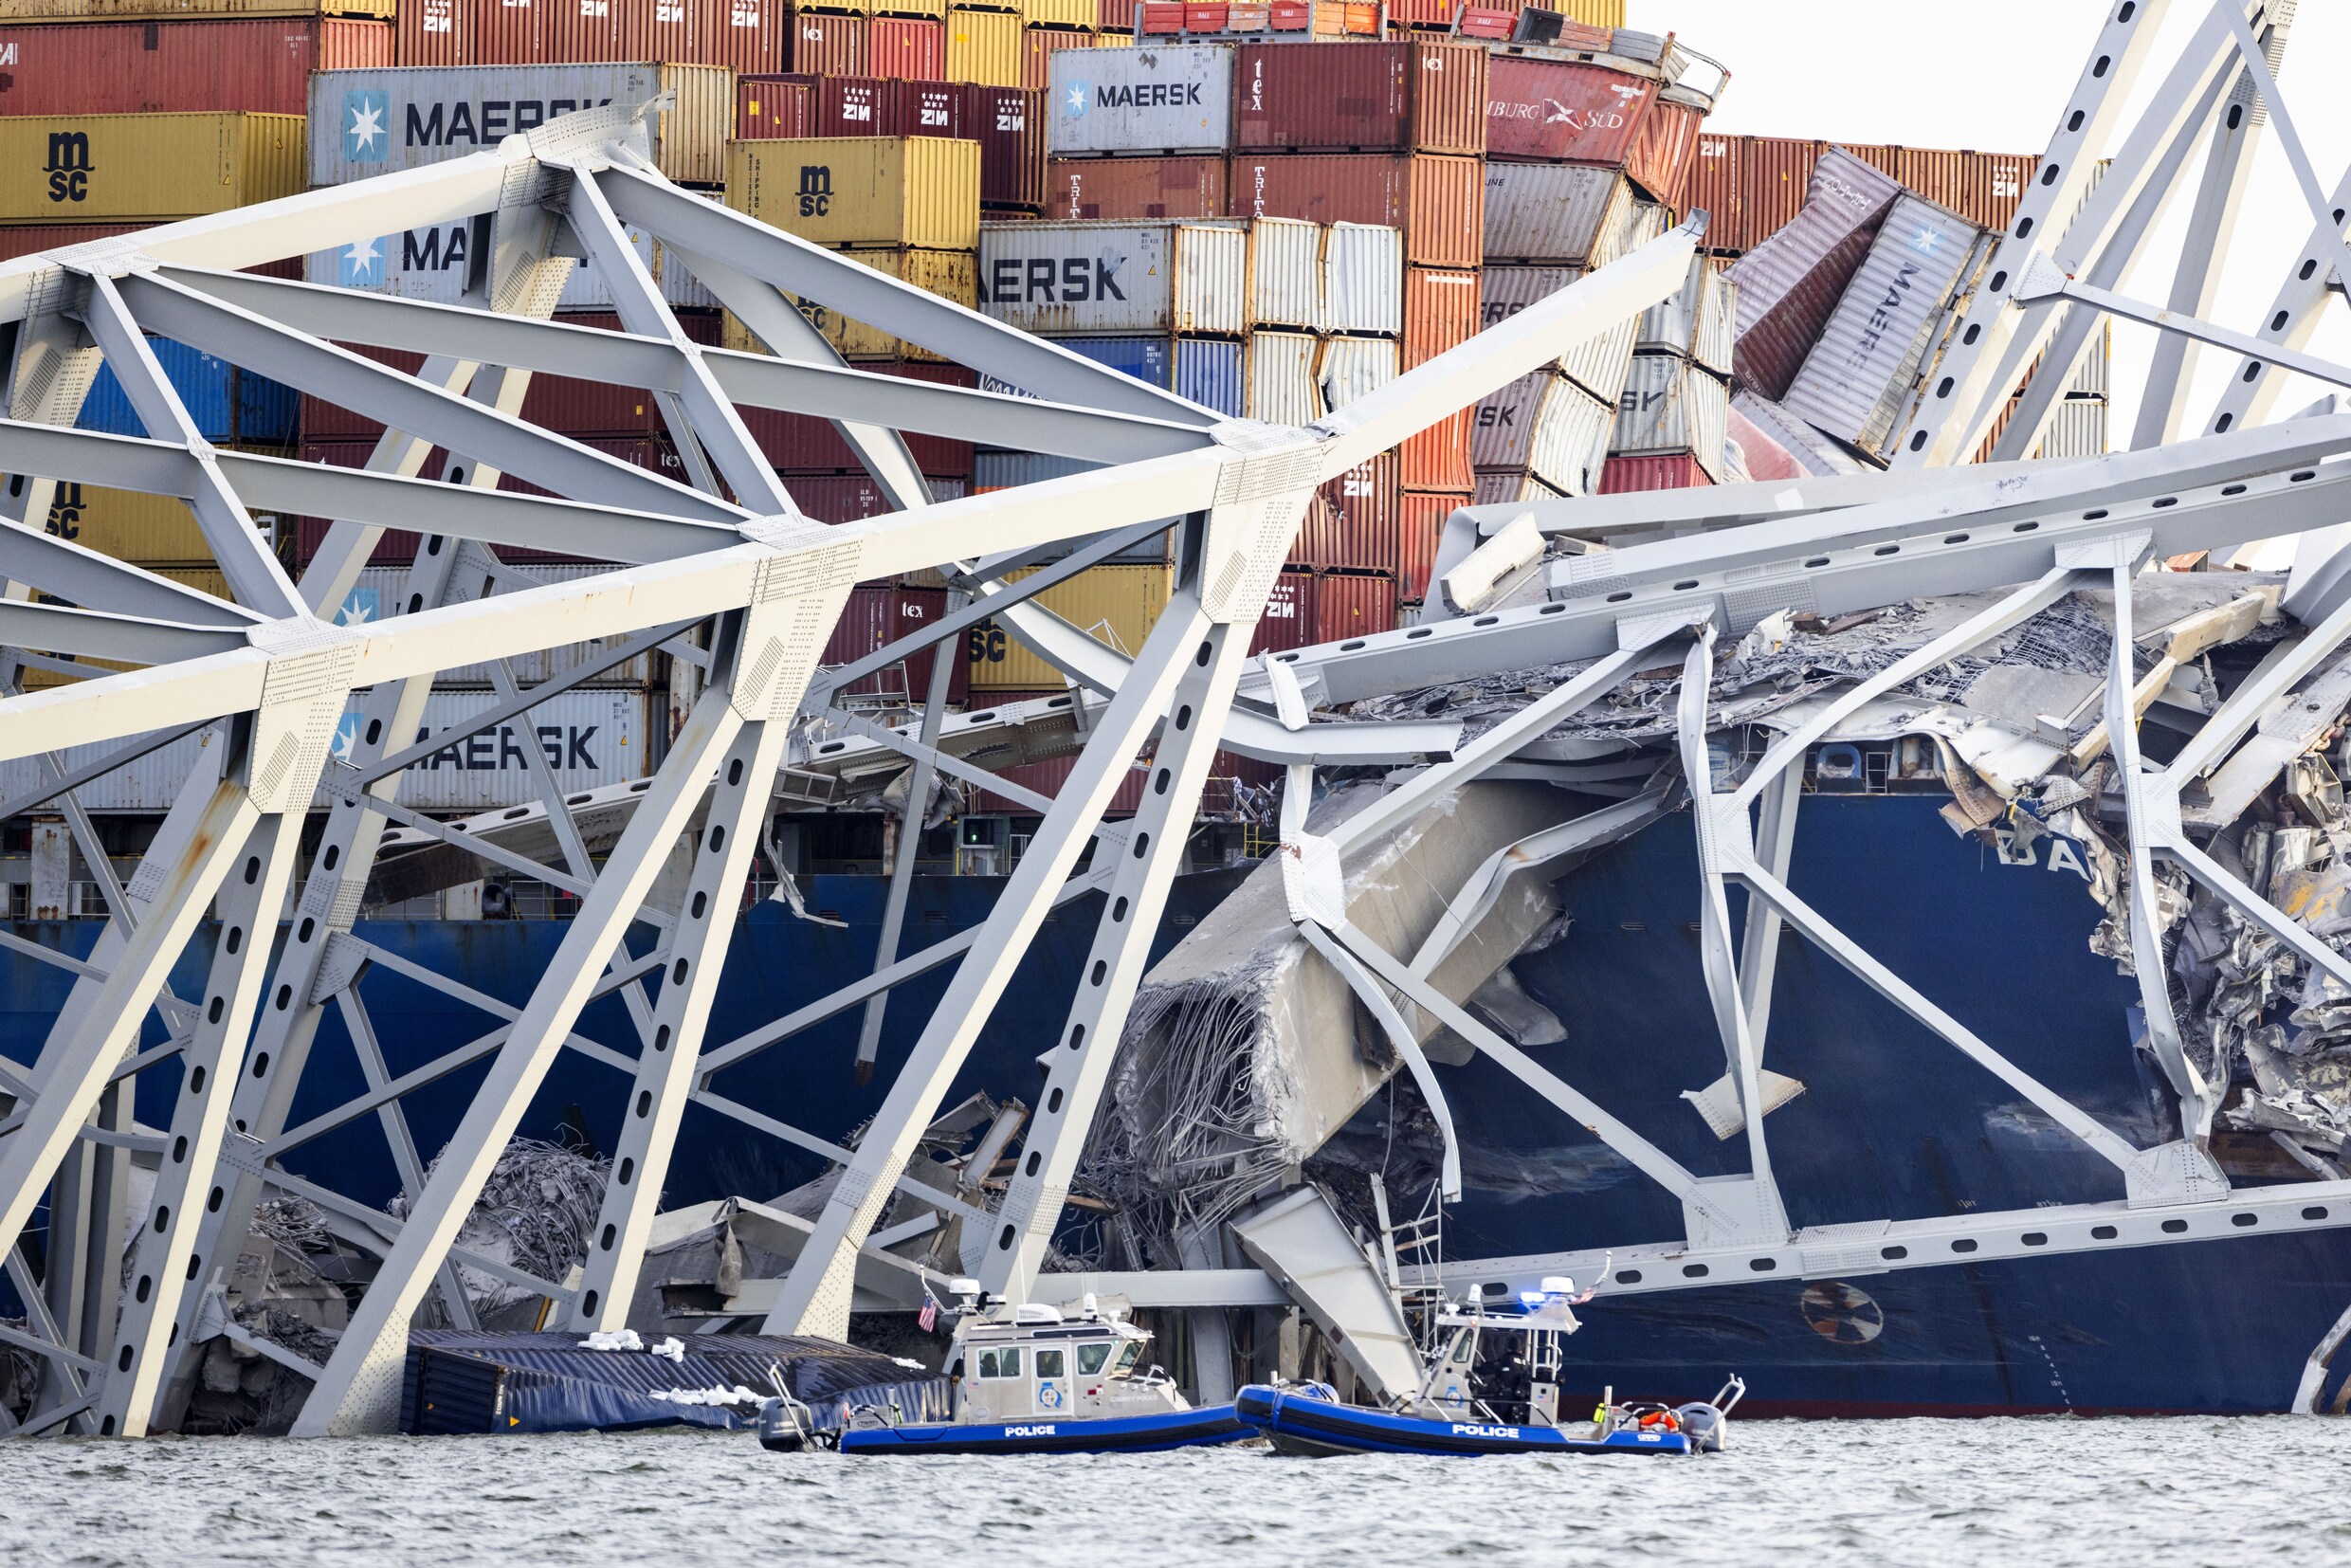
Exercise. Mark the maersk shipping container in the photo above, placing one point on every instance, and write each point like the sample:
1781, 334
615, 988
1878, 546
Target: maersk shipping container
364, 123
1285, 274
1282, 385
180, 67
1115, 605
1545, 424
1598, 364
879, 191
1503, 487
1147, 100
1857, 382
1426, 97
1790, 283
1363, 283
1553, 212
1115, 280
227, 404
432, 264
1672, 406
144, 168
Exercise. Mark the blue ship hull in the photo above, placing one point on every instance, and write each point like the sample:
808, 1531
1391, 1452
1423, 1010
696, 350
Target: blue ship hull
1298, 1423
1184, 1429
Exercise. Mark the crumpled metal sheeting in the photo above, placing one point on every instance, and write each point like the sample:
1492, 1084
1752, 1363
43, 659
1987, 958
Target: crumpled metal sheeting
536, 1213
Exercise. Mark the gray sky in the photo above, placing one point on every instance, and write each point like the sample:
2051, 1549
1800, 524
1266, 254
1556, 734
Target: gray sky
1992, 75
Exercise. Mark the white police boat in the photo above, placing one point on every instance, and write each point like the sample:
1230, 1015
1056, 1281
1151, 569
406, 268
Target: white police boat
1492, 1386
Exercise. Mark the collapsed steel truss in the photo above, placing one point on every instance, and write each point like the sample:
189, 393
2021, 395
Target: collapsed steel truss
730, 553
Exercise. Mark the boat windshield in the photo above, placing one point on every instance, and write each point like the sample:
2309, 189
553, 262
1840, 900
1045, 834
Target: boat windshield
1127, 1357
1092, 1358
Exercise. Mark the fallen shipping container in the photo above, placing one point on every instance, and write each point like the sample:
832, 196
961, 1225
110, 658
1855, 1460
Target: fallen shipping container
879, 191
1546, 426
1666, 148
1672, 406
1697, 321
1061, 279
1789, 285
1553, 212
1598, 364
1137, 101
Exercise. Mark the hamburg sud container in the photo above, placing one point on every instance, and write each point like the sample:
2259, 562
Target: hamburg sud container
883, 192
1283, 389
1561, 111
1598, 364
1790, 280
1359, 98
1553, 212
1545, 424
1136, 188
1672, 406
1857, 382
1667, 144
1119, 280
1363, 283
364, 123
1114, 605
1127, 102
1439, 201
116, 168
432, 264
179, 68
1696, 321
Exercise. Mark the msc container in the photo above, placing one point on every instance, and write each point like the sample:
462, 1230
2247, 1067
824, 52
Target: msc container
911, 49
770, 107
1114, 279
1140, 100
984, 46
823, 45
1545, 424
377, 595
1565, 111
1360, 98
1668, 145
364, 123
1287, 623
878, 615
1009, 124
1695, 322
1671, 406
1553, 212
125, 524
1115, 605
1286, 274
179, 68
883, 192
1136, 188
1352, 526
1669, 471
1790, 281
1364, 287
1714, 189
1420, 522
949, 274
1440, 312
1438, 201
430, 264
1437, 458
807, 444
1038, 45
1282, 385
1352, 368
102, 168
1598, 363
1349, 605
1856, 383
227, 404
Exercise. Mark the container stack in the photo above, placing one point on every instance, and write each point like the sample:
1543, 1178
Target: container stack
1752, 187
1672, 424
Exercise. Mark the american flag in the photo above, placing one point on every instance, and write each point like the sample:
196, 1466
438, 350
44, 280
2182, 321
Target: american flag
929, 1319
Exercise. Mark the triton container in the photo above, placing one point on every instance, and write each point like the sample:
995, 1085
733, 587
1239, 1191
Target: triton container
1438, 201
180, 67
1136, 188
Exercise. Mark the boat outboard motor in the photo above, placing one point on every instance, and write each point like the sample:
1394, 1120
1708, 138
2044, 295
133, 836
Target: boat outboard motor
1703, 1425
786, 1426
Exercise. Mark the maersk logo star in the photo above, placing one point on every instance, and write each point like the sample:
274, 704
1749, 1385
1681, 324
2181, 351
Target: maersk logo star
1080, 95
367, 127
361, 264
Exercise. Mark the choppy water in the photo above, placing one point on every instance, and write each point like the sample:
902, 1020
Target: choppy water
2178, 1492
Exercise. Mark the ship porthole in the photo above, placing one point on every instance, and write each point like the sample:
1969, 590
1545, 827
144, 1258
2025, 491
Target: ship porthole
1838, 1312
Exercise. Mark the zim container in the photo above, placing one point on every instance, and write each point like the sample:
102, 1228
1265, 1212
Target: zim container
1565, 111
1438, 201
1352, 603
772, 107
1009, 124
949, 274
985, 46
1115, 280
180, 67
882, 106
883, 192
1288, 621
1154, 99
1365, 289
1115, 605
113, 168
1353, 526
1136, 188
1714, 189
1348, 97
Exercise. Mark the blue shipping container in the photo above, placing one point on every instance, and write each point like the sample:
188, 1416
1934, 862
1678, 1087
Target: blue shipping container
228, 404
1209, 373
1144, 358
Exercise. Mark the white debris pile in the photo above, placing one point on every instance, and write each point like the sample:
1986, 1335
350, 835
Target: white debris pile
713, 1395
612, 1338
535, 1213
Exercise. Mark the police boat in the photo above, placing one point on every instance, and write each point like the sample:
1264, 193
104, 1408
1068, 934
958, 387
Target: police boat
1492, 1386
1025, 1379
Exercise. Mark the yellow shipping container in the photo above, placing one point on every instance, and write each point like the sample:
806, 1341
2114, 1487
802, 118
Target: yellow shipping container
169, 10
950, 274
920, 192
984, 46
1111, 38
1084, 15
207, 578
1595, 13
1115, 605
144, 168
126, 524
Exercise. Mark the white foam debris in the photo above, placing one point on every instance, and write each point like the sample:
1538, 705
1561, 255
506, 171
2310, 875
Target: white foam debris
612, 1338
712, 1395
918, 1366
673, 1348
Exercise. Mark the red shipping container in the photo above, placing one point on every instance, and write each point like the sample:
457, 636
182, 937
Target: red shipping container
802, 443
1047, 778
829, 45
1774, 172
425, 32
1983, 188
1440, 312
1438, 457
181, 67
1250, 17
1288, 619
1129, 189
748, 37
1673, 471
1009, 124
1351, 604
772, 107
1338, 98
512, 32
1352, 526
855, 106
1420, 523
1118, 16
1038, 45
1554, 111
1487, 22
837, 498
1666, 147
1163, 16
1290, 16
878, 615
908, 48
1439, 201
25, 239
1714, 189
1205, 18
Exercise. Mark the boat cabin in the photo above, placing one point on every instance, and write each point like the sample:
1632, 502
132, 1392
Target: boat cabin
1015, 1363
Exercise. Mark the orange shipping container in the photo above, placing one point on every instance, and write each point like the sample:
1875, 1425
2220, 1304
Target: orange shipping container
1439, 201
1713, 190
1983, 188
1668, 145
1440, 312
1774, 174
1420, 522
829, 45
1039, 46
910, 49
1438, 457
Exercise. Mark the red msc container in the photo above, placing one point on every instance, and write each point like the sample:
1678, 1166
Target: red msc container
878, 615
1673, 472
1352, 525
1666, 147
803, 444
1129, 189
1714, 189
1438, 457
768, 107
1009, 124
1340, 98
1420, 522
1038, 45
829, 45
1439, 201
1351, 604
911, 49
1440, 312
1288, 620
180, 67
1565, 111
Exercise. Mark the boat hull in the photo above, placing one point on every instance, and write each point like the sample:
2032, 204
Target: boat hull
1207, 1427
1301, 1424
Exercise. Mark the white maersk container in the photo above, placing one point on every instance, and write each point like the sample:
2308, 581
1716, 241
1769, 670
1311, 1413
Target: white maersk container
1139, 101
1598, 364
1364, 280
377, 595
1286, 273
432, 264
1282, 385
1546, 426
1672, 405
1115, 280
1358, 366
590, 738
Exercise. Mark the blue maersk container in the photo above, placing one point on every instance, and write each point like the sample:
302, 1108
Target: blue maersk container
228, 404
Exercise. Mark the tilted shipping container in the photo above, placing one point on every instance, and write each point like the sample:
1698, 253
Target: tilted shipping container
1671, 406
180, 67
1790, 283
1695, 322
882, 191
1353, 367
1553, 212
1598, 364
1565, 111
1667, 146
1115, 280
1545, 424
1141, 101
1126, 189
144, 168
